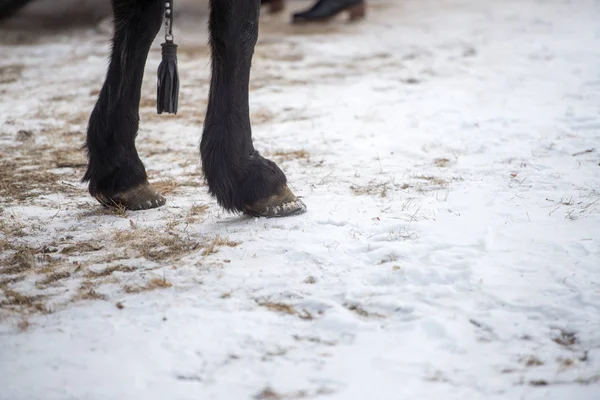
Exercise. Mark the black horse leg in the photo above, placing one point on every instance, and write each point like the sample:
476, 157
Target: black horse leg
115, 173
237, 175
10, 7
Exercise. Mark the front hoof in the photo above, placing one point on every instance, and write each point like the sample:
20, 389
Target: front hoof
142, 197
283, 204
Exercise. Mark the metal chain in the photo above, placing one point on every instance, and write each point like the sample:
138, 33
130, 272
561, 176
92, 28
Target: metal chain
169, 21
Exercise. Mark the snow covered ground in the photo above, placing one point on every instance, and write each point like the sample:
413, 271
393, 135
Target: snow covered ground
448, 153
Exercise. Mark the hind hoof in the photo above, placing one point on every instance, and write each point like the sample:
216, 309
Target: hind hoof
142, 197
283, 204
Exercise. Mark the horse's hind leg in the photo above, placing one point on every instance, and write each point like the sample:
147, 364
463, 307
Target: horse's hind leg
115, 173
237, 175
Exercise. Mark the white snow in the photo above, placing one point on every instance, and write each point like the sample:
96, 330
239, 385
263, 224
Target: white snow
451, 248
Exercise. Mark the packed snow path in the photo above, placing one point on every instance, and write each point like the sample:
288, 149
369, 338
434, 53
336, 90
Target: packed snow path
448, 153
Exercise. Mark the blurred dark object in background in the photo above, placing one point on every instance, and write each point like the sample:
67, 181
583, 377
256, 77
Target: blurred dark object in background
68, 14
52, 14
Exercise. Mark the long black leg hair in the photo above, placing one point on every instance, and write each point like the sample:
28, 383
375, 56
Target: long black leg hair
236, 174
114, 165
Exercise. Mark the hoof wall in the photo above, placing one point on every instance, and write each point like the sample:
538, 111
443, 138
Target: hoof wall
284, 204
142, 197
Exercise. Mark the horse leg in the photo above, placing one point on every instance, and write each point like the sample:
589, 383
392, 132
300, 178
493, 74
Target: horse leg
10, 7
115, 173
237, 175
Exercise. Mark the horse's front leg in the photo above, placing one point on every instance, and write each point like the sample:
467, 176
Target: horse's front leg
116, 174
237, 175
10, 7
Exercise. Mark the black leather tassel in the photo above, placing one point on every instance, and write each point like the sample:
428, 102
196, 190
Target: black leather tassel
167, 90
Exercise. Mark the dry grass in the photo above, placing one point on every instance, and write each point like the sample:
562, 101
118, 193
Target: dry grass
217, 242
165, 186
278, 307
284, 308
269, 393
83, 247
288, 155
198, 210
565, 338
21, 261
11, 73
433, 180
262, 116
362, 312
565, 363
531, 361
4, 282
192, 183
314, 339
391, 257
28, 173
87, 291
374, 188
441, 162
19, 302
53, 278
54, 262
153, 284
155, 245
109, 271
24, 325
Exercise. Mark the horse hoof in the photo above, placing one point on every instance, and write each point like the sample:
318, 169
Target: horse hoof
283, 204
142, 197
